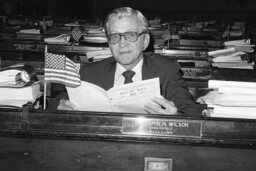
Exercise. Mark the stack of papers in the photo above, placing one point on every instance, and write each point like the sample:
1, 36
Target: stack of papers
95, 36
16, 86
61, 39
29, 31
18, 96
235, 55
242, 45
231, 99
98, 54
33, 34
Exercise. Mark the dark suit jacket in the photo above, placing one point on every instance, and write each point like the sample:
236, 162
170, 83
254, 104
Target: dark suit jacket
173, 87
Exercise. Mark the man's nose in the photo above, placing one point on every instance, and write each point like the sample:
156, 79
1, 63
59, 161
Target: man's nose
123, 41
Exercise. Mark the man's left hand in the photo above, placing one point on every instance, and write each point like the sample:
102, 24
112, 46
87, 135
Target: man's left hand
160, 105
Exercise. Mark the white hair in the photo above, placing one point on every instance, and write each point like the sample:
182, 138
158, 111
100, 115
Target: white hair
126, 12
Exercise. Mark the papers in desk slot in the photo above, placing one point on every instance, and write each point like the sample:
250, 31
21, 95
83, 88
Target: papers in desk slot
129, 98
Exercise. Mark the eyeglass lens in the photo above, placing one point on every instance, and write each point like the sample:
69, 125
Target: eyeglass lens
129, 36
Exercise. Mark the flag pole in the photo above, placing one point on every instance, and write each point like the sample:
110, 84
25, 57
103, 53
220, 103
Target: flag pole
45, 51
168, 43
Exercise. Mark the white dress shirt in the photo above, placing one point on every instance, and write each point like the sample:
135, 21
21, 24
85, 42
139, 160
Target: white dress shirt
119, 78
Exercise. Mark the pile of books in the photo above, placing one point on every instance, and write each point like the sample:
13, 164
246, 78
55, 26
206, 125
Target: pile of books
18, 86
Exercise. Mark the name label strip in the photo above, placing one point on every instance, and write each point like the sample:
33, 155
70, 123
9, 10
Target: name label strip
161, 127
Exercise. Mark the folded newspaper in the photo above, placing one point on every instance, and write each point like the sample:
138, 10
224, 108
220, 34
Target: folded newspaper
129, 98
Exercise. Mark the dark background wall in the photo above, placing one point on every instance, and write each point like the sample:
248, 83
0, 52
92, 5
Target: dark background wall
95, 9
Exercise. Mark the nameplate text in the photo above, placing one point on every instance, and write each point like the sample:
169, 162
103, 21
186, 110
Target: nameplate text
161, 127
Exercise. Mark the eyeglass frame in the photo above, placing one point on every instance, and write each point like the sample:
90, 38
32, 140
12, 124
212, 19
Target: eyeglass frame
123, 34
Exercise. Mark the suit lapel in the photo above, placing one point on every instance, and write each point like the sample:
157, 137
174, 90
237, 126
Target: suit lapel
109, 75
149, 68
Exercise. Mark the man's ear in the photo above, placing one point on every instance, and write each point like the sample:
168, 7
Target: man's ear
146, 41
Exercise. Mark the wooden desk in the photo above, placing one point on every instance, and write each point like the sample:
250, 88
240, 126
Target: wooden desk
18, 45
41, 140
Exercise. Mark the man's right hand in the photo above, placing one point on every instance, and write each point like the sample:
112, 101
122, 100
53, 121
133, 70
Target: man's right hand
66, 105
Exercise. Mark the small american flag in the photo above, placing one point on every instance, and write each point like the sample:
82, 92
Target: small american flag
76, 33
60, 69
166, 35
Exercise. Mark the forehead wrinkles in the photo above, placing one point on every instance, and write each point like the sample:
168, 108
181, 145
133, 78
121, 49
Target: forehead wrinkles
135, 22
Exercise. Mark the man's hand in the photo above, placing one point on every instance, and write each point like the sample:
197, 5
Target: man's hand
160, 105
66, 105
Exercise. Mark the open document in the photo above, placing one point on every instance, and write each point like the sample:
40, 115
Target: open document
128, 98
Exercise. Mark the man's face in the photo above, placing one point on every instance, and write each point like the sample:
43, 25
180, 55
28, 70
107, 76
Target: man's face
128, 54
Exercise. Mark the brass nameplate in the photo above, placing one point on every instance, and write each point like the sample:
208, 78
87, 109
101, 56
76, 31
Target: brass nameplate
158, 164
161, 127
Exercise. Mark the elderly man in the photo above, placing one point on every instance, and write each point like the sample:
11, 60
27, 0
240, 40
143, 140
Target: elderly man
128, 36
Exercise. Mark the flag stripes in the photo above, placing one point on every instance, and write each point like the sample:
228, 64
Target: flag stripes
60, 69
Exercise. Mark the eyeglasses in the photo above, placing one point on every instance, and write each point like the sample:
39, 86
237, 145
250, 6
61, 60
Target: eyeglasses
129, 36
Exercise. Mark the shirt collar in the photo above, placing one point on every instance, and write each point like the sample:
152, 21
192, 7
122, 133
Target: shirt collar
137, 69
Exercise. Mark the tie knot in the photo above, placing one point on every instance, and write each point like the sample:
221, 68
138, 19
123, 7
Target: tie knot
128, 76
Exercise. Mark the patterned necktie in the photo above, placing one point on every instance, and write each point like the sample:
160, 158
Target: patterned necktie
128, 76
